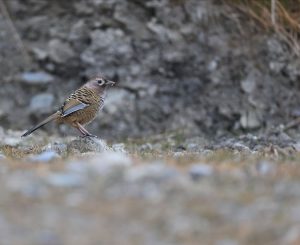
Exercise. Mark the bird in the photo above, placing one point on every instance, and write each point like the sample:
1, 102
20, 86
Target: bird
81, 107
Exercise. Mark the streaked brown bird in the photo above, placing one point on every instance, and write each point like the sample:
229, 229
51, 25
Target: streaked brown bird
81, 107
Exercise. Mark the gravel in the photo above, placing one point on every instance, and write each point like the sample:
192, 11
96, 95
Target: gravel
46, 156
199, 170
161, 197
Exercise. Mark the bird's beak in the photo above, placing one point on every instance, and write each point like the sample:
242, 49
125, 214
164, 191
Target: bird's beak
111, 83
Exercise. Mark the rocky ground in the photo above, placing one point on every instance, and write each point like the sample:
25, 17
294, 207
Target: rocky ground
201, 146
160, 190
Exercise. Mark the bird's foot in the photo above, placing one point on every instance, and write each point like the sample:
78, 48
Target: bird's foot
92, 136
88, 136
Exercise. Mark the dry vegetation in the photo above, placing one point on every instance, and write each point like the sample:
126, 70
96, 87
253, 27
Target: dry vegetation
281, 16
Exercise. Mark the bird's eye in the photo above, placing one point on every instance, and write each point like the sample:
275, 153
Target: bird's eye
100, 82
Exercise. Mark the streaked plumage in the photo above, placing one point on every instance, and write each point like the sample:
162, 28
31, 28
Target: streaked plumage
81, 107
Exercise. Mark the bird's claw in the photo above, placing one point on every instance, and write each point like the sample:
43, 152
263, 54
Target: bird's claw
89, 136
92, 136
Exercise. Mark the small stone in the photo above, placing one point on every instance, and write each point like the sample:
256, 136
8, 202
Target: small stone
74, 199
179, 154
207, 152
83, 9
275, 47
293, 70
40, 54
146, 147
67, 180
195, 144
295, 112
250, 120
276, 66
104, 162
119, 148
41, 103
240, 147
104, 39
45, 156
59, 51
200, 170
88, 144
151, 171
192, 147
78, 30
77, 166
47, 237
59, 148
292, 236
227, 242
99, 2
26, 183
36, 77
99, 163
297, 146
249, 84
213, 65
265, 167
11, 140
180, 148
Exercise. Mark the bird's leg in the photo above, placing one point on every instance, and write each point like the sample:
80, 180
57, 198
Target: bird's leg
84, 131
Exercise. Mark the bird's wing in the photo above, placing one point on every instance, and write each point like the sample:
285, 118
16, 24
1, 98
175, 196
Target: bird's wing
72, 105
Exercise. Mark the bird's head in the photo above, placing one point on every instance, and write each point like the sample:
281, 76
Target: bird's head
102, 82
99, 83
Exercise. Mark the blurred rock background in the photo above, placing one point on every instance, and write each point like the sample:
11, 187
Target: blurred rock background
218, 76
203, 67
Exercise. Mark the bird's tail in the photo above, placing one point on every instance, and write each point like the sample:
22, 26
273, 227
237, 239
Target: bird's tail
48, 119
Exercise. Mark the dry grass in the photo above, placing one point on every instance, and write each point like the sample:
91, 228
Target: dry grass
284, 162
281, 16
19, 153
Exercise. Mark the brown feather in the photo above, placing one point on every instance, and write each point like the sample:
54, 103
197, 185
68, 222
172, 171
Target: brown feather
48, 119
81, 107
